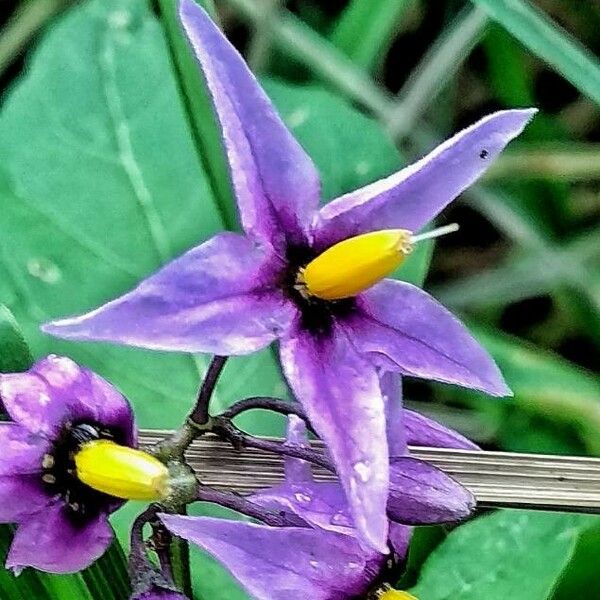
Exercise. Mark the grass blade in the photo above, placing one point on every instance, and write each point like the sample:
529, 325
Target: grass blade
364, 34
545, 38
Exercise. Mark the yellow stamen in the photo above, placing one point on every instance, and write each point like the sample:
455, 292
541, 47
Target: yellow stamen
390, 594
355, 264
121, 471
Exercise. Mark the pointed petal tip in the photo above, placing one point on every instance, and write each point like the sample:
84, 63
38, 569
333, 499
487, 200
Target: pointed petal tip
62, 328
498, 388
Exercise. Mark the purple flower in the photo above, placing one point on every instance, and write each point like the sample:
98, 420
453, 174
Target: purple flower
55, 408
237, 293
321, 558
420, 494
288, 563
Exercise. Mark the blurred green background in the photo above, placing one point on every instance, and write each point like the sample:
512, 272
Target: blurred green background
110, 165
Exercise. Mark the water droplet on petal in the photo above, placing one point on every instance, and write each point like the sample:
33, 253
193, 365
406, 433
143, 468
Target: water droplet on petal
314, 564
303, 498
363, 471
339, 519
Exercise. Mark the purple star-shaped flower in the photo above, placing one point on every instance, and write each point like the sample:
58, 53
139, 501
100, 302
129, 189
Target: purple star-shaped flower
237, 293
322, 558
62, 524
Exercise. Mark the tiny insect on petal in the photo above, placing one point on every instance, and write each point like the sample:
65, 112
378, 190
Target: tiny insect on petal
121, 471
355, 264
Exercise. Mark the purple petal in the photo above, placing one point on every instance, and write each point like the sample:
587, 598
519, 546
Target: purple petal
412, 197
409, 329
21, 496
391, 388
340, 392
22, 451
275, 182
296, 470
421, 494
318, 504
283, 563
422, 431
400, 536
57, 390
49, 541
217, 298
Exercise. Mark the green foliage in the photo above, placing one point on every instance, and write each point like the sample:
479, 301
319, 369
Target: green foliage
14, 352
548, 387
509, 554
549, 41
365, 34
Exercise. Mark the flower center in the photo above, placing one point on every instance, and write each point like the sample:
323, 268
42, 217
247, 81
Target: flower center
355, 264
387, 593
59, 471
121, 471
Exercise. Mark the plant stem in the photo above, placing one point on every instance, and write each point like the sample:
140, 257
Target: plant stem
198, 421
244, 506
200, 414
266, 403
28, 19
179, 555
225, 429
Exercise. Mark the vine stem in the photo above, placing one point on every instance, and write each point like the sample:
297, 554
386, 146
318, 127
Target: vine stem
225, 429
245, 506
267, 403
200, 413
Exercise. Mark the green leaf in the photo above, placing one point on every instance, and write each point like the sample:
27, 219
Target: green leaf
14, 352
582, 574
198, 108
364, 32
535, 30
508, 554
547, 386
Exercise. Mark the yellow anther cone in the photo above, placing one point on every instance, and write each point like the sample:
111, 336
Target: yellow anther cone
354, 265
396, 595
121, 471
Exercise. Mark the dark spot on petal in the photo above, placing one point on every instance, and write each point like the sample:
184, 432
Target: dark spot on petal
484, 154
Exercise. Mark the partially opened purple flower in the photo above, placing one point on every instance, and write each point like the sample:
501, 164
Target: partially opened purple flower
313, 279
70, 430
321, 558
420, 494
287, 563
